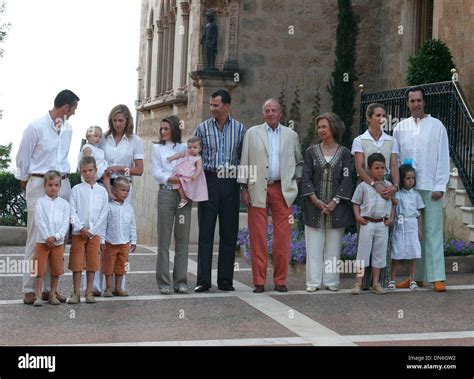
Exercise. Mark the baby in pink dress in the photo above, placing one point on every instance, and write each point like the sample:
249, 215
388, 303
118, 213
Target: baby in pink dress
193, 186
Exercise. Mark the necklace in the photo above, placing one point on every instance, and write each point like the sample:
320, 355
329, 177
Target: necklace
328, 148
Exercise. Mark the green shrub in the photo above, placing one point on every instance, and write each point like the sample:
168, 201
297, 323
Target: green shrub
74, 178
12, 200
432, 63
8, 220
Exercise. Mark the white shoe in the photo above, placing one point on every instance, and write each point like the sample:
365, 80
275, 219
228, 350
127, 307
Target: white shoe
311, 289
333, 288
392, 285
413, 286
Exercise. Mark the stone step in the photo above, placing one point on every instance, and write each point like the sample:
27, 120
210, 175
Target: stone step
467, 215
455, 180
471, 232
462, 199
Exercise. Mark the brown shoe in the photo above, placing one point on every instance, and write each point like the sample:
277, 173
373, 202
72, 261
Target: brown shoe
120, 292
280, 288
259, 288
45, 296
29, 298
439, 286
403, 284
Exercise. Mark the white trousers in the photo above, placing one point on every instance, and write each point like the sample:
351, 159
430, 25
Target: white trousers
373, 241
322, 245
35, 190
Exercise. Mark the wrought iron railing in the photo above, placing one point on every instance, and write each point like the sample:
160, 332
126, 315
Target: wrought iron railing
444, 101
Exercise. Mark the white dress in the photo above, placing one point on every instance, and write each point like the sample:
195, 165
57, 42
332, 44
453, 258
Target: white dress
405, 241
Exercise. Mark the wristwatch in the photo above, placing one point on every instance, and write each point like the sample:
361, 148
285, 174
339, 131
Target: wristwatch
336, 200
372, 184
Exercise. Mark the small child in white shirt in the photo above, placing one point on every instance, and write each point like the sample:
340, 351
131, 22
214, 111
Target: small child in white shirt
92, 149
120, 238
374, 214
52, 219
89, 207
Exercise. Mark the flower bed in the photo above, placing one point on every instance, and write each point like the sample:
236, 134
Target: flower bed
452, 247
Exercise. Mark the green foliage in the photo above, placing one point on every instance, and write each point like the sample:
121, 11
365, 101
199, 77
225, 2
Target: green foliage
282, 101
311, 134
12, 200
4, 26
8, 221
341, 86
75, 178
432, 63
295, 117
5, 151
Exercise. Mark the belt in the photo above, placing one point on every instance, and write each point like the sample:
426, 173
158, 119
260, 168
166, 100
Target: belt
65, 176
370, 219
168, 187
272, 182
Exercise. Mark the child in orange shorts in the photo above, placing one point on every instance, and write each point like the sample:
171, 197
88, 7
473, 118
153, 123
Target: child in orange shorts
120, 237
89, 207
52, 218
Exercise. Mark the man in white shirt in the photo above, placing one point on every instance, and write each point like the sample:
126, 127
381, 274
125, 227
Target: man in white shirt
44, 146
423, 143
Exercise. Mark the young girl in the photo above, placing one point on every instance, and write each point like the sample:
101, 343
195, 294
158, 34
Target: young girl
91, 148
189, 170
407, 231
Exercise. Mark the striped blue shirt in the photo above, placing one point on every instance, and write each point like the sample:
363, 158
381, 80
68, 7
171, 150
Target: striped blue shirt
220, 149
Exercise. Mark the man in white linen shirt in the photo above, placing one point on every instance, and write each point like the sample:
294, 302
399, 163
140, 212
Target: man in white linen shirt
44, 147
423, 143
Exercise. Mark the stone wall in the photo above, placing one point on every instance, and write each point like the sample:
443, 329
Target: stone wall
454, 25
285, 45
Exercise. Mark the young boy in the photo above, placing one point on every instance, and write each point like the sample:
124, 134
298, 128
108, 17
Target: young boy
89, 207
52, 219
374, 215
120, 237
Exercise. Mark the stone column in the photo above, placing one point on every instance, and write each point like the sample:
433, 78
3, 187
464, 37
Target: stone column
171, 35
184, 50
149, 37
164, 70
159, 52
230, 63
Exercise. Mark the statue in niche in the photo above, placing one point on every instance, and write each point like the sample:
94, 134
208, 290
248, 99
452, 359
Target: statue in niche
209, 39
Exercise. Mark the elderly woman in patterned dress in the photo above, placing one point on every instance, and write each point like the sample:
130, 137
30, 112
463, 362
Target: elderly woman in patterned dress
327, 185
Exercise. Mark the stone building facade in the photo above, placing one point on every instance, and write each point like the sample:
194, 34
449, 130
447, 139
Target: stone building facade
269, 48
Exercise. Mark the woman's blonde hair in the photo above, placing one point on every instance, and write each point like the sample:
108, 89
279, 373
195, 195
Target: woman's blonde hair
123, 109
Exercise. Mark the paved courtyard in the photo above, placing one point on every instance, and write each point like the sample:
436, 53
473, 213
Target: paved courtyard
217, 318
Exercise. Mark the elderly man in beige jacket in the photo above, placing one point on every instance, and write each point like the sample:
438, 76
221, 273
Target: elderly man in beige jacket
271, 151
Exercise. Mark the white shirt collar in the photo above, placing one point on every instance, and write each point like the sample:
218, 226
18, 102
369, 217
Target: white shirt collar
270, 129
111, 136
368, 136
